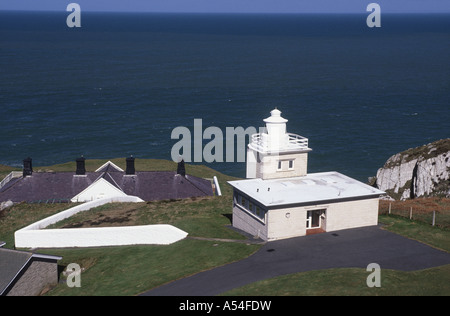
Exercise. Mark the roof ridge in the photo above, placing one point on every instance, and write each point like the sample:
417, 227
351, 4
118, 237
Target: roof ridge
111, 180
105, 167
201, 190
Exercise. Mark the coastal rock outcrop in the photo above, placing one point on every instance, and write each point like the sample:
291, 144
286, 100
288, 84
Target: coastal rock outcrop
417, 172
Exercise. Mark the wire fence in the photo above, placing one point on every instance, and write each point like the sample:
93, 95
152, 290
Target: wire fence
435, 212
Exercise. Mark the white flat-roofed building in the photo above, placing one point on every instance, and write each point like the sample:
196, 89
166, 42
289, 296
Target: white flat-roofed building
281, 200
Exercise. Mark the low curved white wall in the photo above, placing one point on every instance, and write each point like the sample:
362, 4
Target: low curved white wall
77, 209
34, 236
99, 237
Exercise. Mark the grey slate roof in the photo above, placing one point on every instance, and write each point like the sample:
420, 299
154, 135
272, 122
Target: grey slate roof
46, 186
148, 185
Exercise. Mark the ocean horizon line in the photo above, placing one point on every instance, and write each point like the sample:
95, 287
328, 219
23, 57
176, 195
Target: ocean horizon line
362, 13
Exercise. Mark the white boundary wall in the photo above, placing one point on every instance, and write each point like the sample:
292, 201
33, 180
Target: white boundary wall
33, 236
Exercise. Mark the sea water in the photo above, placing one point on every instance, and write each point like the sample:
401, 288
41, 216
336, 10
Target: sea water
121, 83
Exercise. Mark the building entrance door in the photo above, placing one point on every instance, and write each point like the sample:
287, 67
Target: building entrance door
313, 219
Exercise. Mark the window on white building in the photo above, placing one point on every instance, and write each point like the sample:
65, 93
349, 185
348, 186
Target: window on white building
259, 212
250, 207
291, 164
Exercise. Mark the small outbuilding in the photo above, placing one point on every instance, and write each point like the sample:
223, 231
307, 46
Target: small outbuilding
279, 199
26, 273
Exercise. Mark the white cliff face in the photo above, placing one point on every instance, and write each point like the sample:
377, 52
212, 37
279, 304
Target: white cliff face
422, 171
395, 173
432, 174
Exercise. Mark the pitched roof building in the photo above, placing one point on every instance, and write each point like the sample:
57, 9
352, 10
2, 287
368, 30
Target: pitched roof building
25, 273
107, 181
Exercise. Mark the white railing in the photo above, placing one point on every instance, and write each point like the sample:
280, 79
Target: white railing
9, 177
294, 142
297, 140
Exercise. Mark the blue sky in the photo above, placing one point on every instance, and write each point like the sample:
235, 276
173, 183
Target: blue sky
242, 6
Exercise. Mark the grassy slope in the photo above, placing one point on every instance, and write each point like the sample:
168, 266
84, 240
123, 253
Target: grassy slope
352, 281
5, 170
131, 270
201, 217
422, 209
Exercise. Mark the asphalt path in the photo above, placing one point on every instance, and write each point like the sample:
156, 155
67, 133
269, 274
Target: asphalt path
342, 249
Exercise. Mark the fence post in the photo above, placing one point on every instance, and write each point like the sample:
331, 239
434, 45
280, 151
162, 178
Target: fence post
410, 213
390, 205
434, 217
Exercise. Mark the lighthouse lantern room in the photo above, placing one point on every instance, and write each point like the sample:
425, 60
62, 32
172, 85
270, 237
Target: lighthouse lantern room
275, 153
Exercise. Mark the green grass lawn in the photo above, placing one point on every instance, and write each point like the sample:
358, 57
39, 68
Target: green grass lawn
421, 210
131, 270
5, 170
434, 236
352, 282
201, 217
23, 214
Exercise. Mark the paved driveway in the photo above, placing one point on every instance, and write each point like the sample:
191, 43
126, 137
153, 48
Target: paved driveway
347, 248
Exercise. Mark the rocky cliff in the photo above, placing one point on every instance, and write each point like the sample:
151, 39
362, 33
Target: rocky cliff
416, 172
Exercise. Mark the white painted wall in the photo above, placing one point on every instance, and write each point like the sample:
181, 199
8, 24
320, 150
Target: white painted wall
268, 167
286, 223
291, 222
251, 163
100, 189
338, 216
352, 214
250, 224
34, 236
99, 237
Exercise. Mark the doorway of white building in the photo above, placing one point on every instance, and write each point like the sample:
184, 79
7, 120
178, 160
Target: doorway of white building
315, 221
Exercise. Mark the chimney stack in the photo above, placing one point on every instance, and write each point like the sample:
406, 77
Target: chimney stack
27, 167
181, 169
130, 166
81, 166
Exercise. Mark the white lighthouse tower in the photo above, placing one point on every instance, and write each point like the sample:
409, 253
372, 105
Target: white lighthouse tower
276, 153
282, 200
